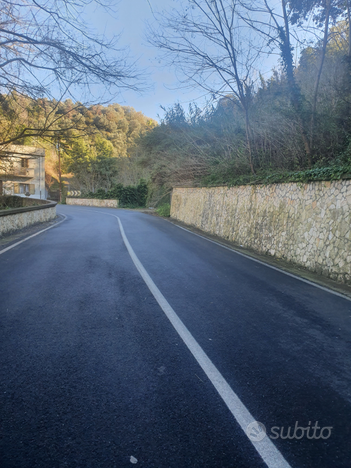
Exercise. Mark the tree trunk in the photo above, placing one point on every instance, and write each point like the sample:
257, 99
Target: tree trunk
295, 93
324, 50
349, 21
248, 140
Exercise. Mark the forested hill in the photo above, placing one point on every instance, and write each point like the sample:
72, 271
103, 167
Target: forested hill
44, 120
120, 125
94, 141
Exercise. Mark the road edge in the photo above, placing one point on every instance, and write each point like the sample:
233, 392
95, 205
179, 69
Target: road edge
300, 273
6, 249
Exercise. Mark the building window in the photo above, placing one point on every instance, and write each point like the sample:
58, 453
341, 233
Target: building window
24, 162
24, 188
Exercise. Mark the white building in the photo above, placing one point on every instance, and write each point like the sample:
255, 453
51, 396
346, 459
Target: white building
22, 171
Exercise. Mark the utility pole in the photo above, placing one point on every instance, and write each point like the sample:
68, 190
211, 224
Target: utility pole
59, 160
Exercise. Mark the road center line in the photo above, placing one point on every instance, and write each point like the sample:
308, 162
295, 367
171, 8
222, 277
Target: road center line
267, 450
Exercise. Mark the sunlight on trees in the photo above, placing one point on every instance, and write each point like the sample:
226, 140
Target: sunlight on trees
291, 124
47, 51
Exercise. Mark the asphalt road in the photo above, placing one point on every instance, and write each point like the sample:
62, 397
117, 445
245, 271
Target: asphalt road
93, 373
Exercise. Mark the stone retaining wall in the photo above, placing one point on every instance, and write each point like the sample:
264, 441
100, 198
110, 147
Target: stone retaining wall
308, 224
92, 202
19, 218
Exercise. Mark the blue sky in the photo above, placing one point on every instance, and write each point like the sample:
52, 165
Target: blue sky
129, 20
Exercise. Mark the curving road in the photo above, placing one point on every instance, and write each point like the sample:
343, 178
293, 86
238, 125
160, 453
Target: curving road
104, 365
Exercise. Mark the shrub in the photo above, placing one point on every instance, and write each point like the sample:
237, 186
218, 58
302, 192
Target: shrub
128, 197
164, 210
334, 172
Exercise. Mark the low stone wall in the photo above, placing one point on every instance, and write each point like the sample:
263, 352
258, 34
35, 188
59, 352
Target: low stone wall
92, 202
14, 201
19, 218
308, 224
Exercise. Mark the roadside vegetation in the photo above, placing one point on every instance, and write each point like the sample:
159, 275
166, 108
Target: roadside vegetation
94, 143
164, 210
208, 147
292, 124
129, 196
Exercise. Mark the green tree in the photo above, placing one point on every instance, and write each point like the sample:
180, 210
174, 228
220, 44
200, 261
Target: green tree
93, 167
46, 49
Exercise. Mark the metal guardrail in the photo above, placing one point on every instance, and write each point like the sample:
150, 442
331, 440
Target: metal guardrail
13, 211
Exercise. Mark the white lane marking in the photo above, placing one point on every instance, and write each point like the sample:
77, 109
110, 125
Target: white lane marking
344, 296
33, 235
267, 450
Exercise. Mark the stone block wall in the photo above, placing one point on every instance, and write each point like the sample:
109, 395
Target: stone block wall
92, 202
308, 224
15, 221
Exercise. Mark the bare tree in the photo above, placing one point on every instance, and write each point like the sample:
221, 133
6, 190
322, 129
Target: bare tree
320, 69
321, 13
212, 48
272, 22
280, 23
45, 50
